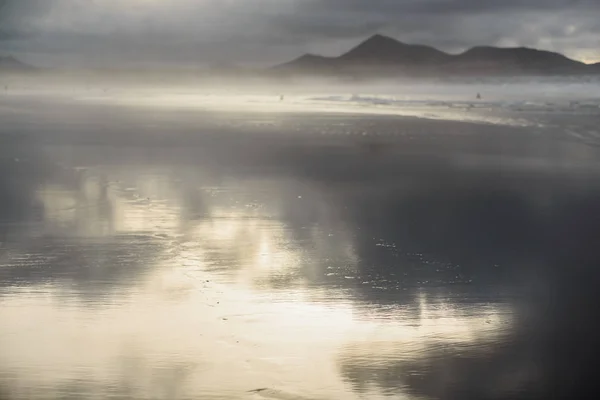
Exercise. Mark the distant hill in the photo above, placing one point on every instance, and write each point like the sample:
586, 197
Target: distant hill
383, 50
309, 64
515, 60
9, 63
381, 55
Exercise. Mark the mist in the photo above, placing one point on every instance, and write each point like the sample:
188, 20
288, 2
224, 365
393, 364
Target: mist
523, 101
298, 199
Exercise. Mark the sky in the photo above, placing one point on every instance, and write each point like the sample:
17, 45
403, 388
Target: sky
108, 33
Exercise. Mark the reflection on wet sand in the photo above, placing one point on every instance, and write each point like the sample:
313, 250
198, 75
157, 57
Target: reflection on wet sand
309, 271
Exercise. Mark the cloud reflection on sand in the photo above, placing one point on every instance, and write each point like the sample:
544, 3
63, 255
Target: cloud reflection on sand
305, 264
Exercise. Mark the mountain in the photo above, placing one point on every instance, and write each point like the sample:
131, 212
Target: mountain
308, 64
383, 50
514, 60
378, 54
381, 55
9, 63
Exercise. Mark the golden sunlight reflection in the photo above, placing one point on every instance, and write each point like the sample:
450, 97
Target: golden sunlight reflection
204, 316
201, 100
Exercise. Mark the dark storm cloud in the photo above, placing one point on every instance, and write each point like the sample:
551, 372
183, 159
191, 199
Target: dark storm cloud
432, 7
270, 30
563, 25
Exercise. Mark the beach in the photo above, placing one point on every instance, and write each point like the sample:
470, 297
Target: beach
154, 249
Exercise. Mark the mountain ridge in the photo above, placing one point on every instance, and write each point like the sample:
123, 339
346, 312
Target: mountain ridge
383, 49
385, 55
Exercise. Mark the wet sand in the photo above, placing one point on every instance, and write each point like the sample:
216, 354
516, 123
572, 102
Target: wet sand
179, 254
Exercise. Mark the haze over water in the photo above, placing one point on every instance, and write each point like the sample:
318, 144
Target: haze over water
168, 246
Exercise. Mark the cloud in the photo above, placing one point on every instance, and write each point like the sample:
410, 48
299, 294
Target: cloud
191, 31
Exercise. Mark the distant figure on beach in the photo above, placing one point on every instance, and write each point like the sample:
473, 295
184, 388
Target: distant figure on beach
281, 98
478, 96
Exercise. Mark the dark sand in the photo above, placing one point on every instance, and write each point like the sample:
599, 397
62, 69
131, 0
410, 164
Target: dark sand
176, 254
